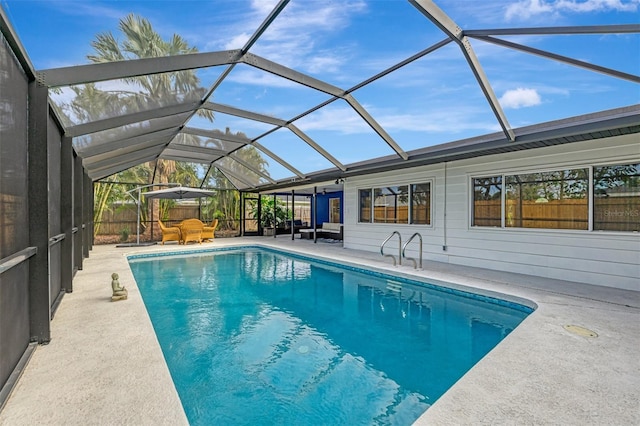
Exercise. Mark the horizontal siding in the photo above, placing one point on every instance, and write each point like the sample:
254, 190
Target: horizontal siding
602, 240
587, 249
601, 258
554, 261
595, 278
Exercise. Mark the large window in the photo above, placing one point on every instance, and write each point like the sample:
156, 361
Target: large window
487, 201
364, 196
421, 203
390, 204
552, 200
616, 198
402, 204
561, 199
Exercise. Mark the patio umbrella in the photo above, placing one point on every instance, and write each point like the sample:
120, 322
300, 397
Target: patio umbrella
173, 193
179, 193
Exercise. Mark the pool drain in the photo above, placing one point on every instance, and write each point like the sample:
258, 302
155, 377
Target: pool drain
580, 331
303, 349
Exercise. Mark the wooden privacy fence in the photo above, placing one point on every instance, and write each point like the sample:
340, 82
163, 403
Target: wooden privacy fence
117, 220
114, 222
556, 214
390, 214
400, 214
617, 214
610, 214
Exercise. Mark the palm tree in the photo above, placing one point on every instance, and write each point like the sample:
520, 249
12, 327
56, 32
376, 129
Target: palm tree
93, 102
142, 41
96, 101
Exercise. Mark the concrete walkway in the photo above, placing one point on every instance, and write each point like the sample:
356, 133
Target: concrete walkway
104, 365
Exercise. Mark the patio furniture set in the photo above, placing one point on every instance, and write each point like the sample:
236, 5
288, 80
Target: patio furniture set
328, 230
188, 230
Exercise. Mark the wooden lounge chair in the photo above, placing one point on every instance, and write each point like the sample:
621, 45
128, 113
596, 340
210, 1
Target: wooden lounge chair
208, 232
191, 230
169, 233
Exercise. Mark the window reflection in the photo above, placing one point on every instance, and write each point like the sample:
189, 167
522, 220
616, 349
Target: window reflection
391, 204
616, 198
421, 204
365, 205
487, 201
552, 200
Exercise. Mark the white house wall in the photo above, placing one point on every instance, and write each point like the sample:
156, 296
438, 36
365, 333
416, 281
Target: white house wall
595, 257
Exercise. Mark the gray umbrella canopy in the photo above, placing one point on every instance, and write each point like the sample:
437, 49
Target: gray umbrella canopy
179, 193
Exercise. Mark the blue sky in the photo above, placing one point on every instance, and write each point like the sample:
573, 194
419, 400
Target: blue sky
434, 100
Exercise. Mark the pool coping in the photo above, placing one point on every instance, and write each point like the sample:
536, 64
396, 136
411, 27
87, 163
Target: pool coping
539, 374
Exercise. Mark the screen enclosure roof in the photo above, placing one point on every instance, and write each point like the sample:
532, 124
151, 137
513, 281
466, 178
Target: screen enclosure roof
299, 97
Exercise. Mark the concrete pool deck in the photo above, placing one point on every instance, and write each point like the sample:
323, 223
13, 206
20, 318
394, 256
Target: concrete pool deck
105, 366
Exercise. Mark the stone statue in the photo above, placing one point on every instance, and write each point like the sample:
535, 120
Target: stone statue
119, 292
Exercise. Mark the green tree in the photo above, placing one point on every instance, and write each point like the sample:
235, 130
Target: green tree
608, 177
94, 102
99, 101
226, 205
488, 188
110, 195
269, 217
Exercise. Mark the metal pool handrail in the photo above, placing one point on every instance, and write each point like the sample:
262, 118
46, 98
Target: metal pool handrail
411, 258
399, 248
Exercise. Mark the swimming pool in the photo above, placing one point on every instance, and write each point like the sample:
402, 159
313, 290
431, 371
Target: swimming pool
256, 336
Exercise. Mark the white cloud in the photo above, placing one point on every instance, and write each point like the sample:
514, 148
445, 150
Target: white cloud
237, 41
263, 6
323, 63
441, 120
437, 120
340, 119
294, 36
597, 5
88, 9
526, 9
530, 8
520, 98
313, 17
260, 78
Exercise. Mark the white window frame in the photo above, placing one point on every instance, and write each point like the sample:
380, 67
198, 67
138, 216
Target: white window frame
371, 188
472, 204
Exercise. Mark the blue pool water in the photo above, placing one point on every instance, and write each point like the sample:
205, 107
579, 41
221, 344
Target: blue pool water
255, 336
